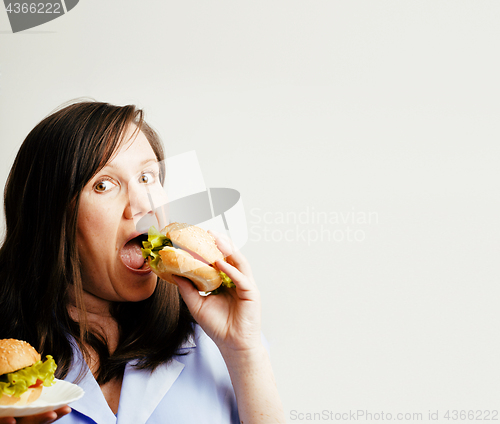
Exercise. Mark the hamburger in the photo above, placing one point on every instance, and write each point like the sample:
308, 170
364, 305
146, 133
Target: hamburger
22, 372
186, 251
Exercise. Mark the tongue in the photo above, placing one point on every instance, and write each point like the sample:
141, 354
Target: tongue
131, 254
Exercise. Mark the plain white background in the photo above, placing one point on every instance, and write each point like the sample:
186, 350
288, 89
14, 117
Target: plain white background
364, 139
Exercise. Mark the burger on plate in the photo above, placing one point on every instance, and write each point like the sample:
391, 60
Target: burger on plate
186, 251
22, 372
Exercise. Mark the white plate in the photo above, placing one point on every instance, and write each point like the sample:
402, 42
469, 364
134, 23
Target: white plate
52, 397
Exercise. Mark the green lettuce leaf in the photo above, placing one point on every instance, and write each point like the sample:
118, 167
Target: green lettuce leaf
156, 242
226, 282
17, 382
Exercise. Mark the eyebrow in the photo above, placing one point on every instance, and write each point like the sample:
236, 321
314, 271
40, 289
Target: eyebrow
144, 162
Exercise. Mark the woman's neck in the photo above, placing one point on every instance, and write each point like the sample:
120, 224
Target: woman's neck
95, 313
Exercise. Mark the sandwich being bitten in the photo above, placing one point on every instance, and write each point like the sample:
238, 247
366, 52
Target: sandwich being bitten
22, 372
186, 251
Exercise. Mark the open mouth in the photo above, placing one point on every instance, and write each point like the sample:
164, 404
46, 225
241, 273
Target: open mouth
131, 254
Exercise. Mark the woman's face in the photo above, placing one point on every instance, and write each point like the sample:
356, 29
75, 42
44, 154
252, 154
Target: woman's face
111, 204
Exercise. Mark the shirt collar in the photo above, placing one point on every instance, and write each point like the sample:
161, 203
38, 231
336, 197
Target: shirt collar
141, 391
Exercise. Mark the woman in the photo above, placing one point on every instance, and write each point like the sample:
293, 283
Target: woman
138, 346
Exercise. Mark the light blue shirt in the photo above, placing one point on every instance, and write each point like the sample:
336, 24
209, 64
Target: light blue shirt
194, 388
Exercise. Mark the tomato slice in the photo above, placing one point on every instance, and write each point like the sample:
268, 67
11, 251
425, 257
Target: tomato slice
37, 384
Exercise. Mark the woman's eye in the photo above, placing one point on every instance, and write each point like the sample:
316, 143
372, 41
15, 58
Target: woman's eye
103, 186
147, 178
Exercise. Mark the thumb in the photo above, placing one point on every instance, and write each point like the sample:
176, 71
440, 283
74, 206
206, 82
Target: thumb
189, 294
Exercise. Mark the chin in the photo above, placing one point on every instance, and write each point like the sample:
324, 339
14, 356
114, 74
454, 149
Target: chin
143, 291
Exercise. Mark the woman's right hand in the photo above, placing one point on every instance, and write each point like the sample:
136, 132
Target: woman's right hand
45, 418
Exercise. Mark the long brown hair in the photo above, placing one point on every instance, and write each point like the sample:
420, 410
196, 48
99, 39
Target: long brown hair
39, 259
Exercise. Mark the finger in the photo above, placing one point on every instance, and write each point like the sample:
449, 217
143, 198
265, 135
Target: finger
233, 256
241, 281
224, 243
45, 418
61, 412
234, 273
189, 294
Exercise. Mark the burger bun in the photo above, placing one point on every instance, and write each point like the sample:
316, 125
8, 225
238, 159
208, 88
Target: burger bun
15, 355
192, 256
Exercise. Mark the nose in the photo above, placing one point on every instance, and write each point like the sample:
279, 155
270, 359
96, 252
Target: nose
140, 203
